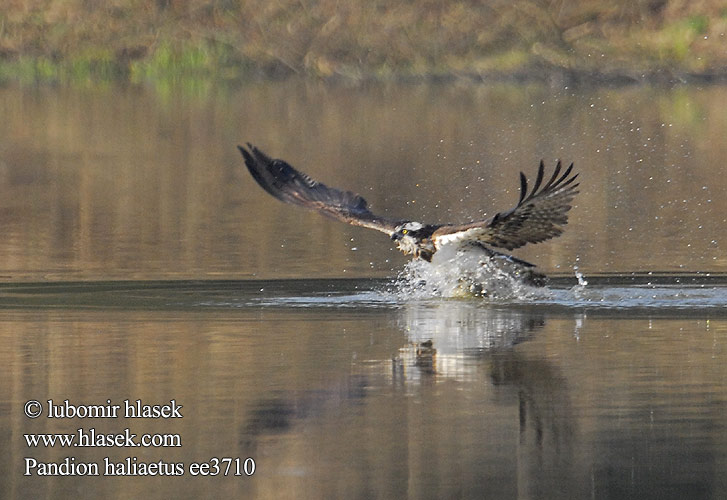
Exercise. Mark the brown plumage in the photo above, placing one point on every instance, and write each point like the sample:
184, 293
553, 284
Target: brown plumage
291, 186
539, 215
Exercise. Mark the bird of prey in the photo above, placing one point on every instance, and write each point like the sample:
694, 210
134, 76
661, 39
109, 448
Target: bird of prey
540, 213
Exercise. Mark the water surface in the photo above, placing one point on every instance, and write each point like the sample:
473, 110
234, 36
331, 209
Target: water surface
341, 388
126, 183
139, 261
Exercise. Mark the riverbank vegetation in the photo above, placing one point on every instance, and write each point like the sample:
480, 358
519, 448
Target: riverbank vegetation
551, 40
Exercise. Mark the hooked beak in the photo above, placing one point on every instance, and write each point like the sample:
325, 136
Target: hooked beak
395, 236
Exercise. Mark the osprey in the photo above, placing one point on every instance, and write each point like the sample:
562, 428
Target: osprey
539, 215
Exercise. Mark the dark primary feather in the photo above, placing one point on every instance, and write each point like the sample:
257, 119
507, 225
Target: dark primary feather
292, 186
540, 214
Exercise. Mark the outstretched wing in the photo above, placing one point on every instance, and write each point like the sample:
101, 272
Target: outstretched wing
291, 186
538, 216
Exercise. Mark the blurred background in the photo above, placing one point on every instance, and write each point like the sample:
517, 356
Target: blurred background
616, 41
120, 121
121, 182
139, 260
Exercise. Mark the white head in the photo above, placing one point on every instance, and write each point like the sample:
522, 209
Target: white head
408, 237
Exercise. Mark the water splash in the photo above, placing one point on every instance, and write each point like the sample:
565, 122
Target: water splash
578, 291
582, 282
468, 273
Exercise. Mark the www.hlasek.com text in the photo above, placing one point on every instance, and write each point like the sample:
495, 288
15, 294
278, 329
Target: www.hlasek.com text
90, 438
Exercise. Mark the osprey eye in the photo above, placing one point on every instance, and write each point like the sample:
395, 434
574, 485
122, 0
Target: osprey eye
540, 214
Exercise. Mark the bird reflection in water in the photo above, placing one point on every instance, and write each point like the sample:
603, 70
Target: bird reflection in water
472, 343
446, 337
470, 382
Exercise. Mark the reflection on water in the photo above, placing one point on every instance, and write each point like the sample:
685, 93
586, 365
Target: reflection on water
458, 328
693, 294
122, 183
420, 399
354, 388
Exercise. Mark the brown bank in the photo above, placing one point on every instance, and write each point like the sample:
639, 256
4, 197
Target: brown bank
559, 42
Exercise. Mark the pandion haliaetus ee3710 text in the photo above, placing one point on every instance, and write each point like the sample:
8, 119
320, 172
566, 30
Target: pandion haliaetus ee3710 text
540, 214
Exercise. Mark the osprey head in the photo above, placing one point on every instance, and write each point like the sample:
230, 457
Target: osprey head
414, 238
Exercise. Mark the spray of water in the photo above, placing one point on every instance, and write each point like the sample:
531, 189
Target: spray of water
467, 273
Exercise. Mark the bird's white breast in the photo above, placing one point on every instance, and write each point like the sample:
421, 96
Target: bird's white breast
449, 239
